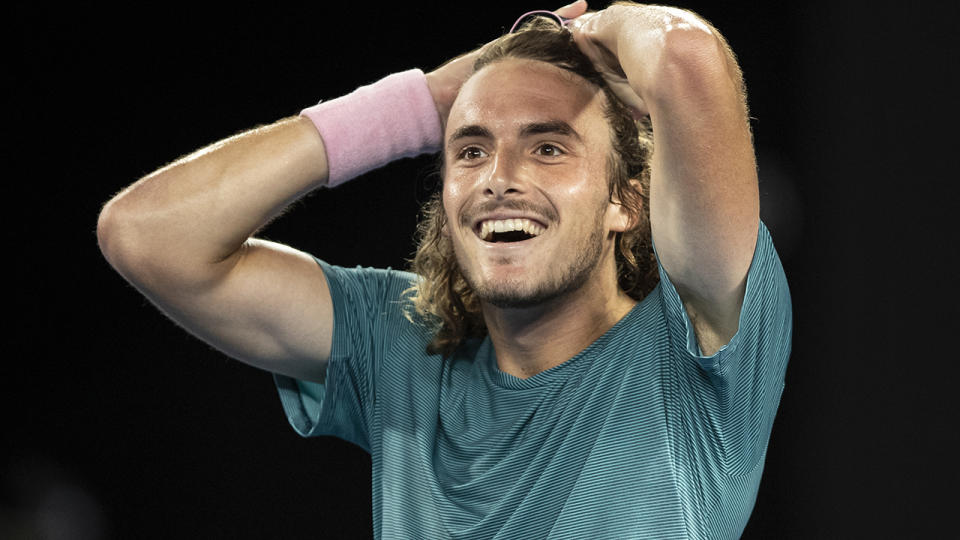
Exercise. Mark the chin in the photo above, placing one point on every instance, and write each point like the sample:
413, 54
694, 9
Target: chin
514, 295
512, 299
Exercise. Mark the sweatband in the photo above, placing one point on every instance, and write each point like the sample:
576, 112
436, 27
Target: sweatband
392, 118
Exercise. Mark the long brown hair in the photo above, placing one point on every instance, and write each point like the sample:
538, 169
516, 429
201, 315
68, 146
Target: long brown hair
441, 297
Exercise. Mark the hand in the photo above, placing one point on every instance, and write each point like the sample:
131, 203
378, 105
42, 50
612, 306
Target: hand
446, 80
596, 34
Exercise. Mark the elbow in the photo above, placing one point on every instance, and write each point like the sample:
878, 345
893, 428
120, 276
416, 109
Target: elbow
107, 228
128, 240
125, 242
144, 245
696, 62
115, 233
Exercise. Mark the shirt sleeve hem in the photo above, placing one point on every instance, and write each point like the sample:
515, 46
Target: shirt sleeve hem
715, 362
307, 409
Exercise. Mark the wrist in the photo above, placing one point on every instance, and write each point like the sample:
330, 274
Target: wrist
392, 118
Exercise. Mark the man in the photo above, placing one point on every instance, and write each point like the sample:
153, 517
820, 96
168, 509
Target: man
532, 380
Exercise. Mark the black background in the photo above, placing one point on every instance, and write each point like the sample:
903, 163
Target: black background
118, 424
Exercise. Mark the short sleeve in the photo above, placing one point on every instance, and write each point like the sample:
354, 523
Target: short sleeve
736, 391
368, 313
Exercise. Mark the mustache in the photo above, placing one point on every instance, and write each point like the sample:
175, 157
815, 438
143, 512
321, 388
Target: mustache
544, 212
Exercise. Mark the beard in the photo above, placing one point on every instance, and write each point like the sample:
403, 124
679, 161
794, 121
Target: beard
576, 272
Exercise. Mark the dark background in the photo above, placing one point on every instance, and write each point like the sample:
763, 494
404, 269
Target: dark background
117, 424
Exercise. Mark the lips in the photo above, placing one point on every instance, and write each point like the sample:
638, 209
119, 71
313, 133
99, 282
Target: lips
508, 221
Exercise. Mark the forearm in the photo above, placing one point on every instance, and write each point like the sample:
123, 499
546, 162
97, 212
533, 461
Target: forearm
665, 50
686, 77
692, 87
199, 210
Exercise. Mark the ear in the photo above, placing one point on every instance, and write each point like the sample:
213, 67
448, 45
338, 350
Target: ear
619, 217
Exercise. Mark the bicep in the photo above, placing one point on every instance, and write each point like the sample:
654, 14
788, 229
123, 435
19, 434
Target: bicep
269, 307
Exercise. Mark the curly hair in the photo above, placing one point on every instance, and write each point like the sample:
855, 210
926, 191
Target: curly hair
442, 298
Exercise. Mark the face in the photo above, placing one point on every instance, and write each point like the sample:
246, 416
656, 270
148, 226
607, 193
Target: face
525, 189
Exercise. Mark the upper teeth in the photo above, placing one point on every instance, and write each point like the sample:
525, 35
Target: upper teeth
487, 228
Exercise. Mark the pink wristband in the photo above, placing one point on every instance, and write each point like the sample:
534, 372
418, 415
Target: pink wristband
392, 118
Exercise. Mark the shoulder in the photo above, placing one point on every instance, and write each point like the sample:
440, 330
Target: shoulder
371, 300
379, 284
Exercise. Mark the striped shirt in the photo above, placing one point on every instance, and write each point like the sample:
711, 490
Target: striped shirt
637, 436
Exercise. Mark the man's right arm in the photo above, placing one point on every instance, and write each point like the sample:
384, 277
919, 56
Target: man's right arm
182, 236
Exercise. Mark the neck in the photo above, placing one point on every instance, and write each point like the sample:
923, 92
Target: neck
530, 340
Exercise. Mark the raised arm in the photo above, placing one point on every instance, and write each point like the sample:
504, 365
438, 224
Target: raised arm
704, 202
182, 236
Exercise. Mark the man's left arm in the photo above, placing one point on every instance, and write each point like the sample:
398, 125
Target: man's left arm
704, 202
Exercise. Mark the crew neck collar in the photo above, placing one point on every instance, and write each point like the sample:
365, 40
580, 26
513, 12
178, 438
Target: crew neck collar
579, 361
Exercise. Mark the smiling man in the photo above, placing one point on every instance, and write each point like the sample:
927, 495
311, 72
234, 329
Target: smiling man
542, 372
529, 152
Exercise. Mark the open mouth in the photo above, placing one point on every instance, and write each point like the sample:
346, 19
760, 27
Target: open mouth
508, 230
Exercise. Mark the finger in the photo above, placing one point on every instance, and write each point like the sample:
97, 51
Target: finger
580, 28
572, 11
578, 25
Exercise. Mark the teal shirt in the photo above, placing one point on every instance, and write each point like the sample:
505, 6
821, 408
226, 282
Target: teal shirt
637, 436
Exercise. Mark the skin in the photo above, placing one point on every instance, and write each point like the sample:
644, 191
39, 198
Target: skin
704, 200
562, 283
704, 205
183, 234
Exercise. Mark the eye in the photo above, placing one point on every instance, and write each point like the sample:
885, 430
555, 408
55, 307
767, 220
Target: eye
471, 152
549, 150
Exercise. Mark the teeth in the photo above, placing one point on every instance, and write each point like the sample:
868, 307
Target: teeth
487, 228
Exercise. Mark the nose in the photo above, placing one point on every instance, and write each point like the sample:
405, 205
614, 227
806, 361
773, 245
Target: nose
505, 177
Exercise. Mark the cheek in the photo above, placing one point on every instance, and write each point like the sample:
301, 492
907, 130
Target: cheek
589, 184
457, 190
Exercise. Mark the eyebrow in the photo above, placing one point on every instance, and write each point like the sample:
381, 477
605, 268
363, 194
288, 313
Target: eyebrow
535, 128
552, 126
470, 130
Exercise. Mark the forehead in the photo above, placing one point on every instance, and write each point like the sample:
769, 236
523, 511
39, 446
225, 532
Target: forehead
515, 92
